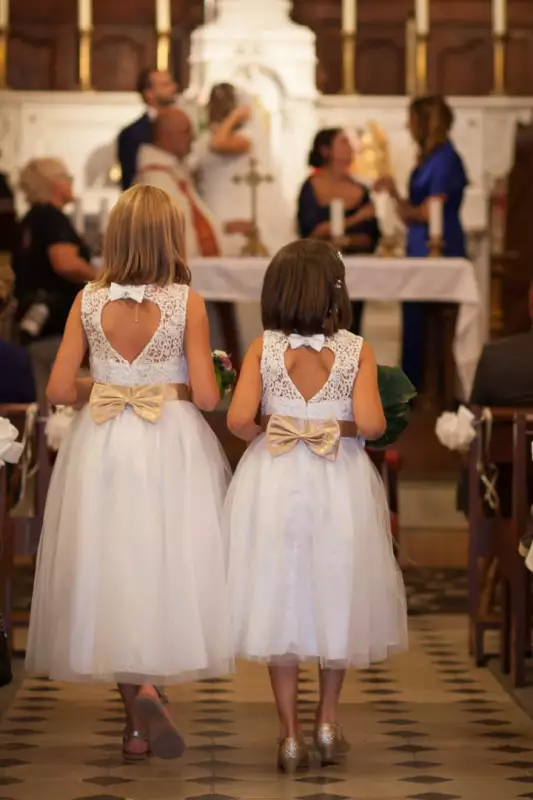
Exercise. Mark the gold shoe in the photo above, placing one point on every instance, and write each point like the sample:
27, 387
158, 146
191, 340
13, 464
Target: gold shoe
330, 743
292, 755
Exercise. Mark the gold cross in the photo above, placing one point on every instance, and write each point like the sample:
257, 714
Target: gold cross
253, 179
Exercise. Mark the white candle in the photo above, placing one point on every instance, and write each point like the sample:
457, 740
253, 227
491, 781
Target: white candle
422, 17
435, 218
4, 14
163, 16
336, 218
104, 214
349, 16
499, 17
385, 213
79, 217
85, 15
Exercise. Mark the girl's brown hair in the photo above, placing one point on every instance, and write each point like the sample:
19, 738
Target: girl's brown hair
434, 120
145, 241
304, 290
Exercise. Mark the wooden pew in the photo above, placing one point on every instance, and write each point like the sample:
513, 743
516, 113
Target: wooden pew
21, 533
494, 561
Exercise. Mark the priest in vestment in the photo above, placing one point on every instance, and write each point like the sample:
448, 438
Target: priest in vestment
162, 164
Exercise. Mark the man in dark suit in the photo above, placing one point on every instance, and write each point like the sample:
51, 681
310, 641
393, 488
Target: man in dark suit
504, 375
504, 379
158, 90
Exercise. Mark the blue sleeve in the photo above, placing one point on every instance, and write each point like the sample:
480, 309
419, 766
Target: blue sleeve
447, 174
308, 211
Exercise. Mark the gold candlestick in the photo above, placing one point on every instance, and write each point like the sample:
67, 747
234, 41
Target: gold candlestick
349, 41
85, 79
499, 48
436, 247
421, 64
163, 50
3, 57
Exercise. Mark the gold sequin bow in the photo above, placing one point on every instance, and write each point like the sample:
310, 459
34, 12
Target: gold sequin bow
321, 437
109, 400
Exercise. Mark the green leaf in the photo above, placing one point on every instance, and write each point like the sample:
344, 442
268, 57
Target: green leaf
397, 392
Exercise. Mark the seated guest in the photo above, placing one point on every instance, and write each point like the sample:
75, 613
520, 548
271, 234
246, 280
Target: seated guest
504, 379
17, 384
504, 375
51, 263
332, 157
157, 90
439, 173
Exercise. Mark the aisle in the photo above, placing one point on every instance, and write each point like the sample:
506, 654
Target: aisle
425, 726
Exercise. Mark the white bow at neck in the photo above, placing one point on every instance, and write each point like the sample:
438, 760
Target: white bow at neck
316, 342
118, 292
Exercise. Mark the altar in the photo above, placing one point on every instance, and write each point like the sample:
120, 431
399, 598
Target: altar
443, 280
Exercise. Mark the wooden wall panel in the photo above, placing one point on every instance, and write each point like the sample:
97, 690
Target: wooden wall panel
43, 44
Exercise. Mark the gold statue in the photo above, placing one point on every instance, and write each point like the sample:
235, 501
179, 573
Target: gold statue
254, 246
372, 160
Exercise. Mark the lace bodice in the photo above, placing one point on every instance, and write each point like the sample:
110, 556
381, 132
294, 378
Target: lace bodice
334, 400
163, 358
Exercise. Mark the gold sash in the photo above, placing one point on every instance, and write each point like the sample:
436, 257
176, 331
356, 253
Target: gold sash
322, 437
108, 400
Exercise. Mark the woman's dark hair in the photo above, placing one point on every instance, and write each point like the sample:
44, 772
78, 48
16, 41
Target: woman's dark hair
435, 120
304, 290
323, 139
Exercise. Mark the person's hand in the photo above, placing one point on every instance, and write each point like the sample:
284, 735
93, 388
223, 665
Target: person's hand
243, 226
240, 115
386, 184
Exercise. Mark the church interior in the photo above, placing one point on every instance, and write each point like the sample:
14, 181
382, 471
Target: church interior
451, 719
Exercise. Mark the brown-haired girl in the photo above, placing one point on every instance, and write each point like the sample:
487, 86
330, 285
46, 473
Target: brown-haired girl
312, 573
130, 583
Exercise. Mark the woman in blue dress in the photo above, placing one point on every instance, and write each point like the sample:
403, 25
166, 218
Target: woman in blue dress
332, 157
439, 173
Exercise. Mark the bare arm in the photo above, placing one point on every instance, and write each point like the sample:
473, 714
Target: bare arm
64, 387
410, 213
367, 409
226, 140
205, 391
247, 396
67, 262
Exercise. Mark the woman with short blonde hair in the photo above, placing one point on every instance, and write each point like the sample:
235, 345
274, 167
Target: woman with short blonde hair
50, 264
131, 585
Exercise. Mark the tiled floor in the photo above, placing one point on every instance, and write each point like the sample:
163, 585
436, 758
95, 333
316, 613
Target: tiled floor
425, 726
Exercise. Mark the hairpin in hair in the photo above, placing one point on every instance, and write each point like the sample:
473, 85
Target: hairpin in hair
339, 256
338, 284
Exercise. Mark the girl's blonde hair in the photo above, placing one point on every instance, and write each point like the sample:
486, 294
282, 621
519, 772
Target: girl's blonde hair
145, 241
38, 176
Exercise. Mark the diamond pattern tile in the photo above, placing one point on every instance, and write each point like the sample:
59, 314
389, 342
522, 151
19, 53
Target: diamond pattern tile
422, 727
107, 780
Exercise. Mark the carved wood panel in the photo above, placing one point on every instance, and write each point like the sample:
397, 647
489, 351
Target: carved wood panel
43, 43
460, 61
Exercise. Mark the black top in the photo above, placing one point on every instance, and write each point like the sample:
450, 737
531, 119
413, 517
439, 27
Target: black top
311, 214
43, 226
130, 140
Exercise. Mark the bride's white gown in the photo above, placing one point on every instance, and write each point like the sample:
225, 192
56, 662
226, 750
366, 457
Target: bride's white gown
228, 200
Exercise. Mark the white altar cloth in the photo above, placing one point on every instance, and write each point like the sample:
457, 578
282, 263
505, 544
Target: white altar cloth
443, 280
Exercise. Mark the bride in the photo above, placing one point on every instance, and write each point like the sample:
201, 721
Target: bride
236, 132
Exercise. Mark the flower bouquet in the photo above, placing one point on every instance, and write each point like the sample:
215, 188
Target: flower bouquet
396, 392
224, 372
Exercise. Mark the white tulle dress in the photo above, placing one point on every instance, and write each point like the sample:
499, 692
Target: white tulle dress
312, 573
130, 582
